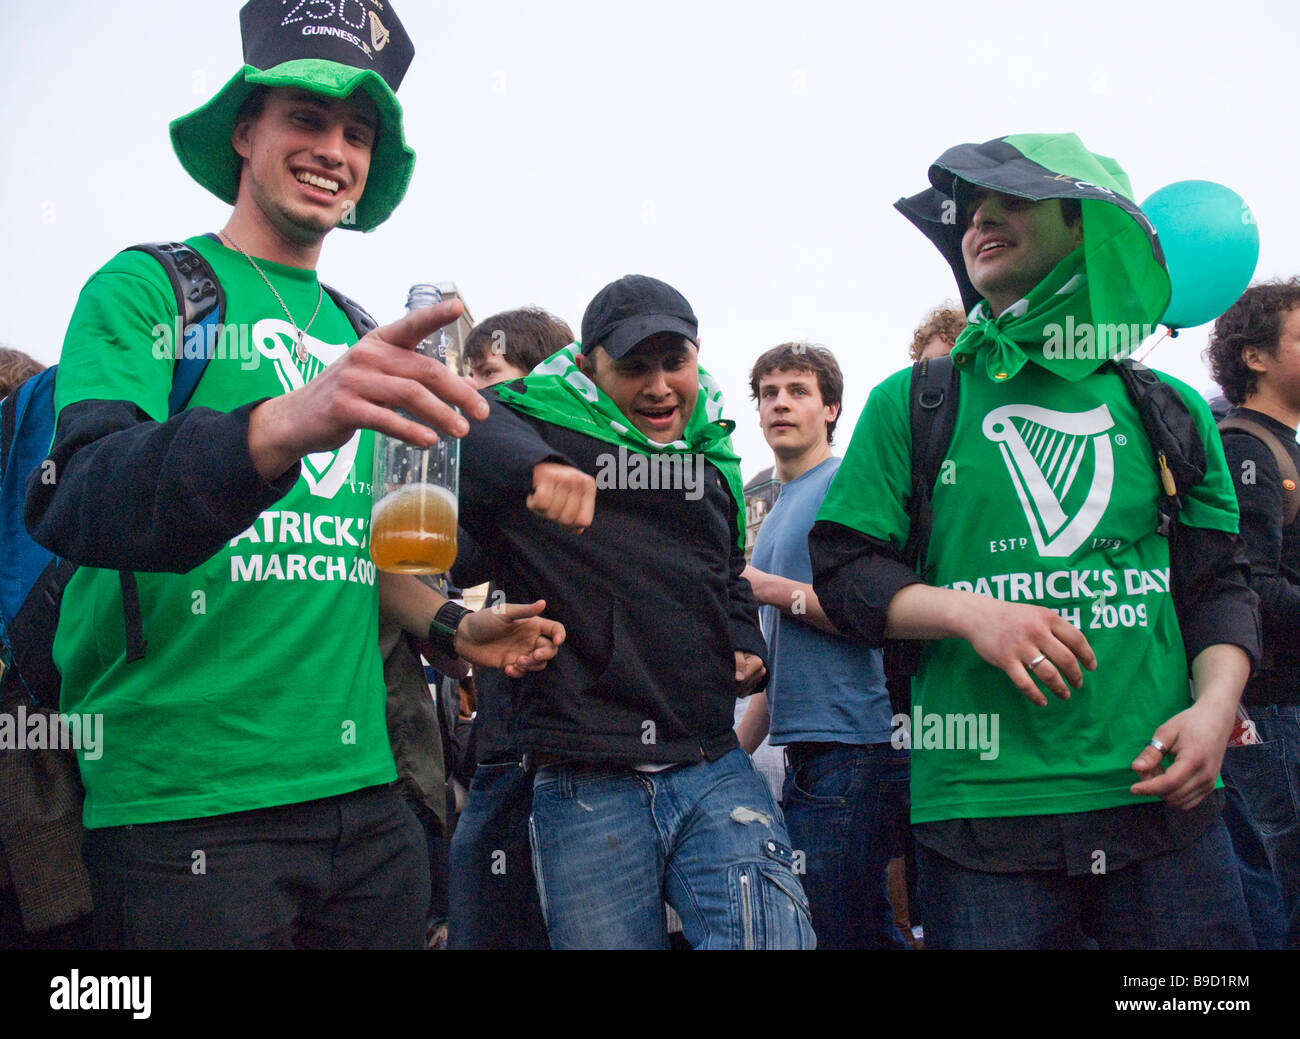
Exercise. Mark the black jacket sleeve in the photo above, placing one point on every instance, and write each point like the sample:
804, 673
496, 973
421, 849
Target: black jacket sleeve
742, 610
1214, 602
122, 492
472, 565
855, 577
497, 456
1259, 500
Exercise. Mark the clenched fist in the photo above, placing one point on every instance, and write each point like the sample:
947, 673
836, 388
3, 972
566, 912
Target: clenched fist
564, 495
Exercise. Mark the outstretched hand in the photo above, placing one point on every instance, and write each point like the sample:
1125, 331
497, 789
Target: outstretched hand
511, 637
361, 390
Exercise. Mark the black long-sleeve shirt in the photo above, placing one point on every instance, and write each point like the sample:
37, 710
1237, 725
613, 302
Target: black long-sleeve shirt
856, 576
129, 493
1273, 552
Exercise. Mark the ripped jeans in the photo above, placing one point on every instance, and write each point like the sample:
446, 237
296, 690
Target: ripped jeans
611, 845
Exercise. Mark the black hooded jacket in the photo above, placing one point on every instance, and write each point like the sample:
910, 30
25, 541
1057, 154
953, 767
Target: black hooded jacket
650, 595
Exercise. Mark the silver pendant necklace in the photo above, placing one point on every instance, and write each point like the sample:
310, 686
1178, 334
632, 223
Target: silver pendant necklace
301, 350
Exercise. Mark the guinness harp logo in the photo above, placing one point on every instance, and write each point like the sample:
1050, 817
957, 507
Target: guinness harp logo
1062, 468
378, 34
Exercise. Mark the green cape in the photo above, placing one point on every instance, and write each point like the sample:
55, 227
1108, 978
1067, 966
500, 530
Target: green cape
557, 391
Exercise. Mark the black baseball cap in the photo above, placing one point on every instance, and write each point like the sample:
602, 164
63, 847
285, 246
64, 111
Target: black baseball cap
633, 308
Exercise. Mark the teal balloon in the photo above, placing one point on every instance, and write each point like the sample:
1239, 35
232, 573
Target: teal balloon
1211, 245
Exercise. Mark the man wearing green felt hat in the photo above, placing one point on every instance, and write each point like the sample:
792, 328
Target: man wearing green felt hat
356, 53
1089, 819
213, 461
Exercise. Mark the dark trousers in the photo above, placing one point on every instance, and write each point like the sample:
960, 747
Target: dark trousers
1267, 775
1185, 899
493, 901
846, 808
345, 872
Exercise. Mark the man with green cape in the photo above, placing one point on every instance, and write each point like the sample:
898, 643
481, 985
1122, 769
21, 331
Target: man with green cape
606, 483
1086, 820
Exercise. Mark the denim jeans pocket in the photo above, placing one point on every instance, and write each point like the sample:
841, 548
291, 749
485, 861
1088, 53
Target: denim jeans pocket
769, 909
831, 778
1259, 772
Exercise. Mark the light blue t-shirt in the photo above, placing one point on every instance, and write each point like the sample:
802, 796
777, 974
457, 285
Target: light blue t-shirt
823, 688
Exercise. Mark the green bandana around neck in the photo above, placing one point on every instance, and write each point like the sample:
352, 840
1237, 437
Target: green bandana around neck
557, 391
1004, 343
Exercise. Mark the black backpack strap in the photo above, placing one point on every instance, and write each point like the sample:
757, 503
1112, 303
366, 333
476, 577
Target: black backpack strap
1285, 466
361, 320
33, 628
135, 643
193, 280
1177, 443
200, 300
933, 417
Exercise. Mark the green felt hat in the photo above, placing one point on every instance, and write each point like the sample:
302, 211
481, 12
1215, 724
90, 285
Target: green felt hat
331, 55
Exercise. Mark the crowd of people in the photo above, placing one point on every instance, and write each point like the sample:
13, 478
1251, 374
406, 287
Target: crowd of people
1004, 639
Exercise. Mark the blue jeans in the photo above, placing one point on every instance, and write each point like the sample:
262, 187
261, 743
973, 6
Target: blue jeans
611, 845
847, 810
1187, 899
1267, 775
492, 896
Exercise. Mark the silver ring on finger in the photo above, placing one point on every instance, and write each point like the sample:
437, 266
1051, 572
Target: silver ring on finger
1036, 661
1153, 742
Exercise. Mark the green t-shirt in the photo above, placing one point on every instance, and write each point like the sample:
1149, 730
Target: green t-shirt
1048, 495
262, 683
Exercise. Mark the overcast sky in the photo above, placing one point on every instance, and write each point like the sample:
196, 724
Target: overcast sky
747, 152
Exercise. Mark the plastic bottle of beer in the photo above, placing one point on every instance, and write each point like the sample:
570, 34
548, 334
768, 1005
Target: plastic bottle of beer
413, 524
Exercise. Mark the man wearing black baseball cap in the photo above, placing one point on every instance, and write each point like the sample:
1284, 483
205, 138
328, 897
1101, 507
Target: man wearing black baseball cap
606, 481
222, 621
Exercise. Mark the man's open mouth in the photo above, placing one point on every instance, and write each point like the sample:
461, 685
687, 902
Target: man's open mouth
324, 183
657, 415
992, 245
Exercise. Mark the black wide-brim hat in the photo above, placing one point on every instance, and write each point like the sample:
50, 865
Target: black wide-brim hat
1128, 281
355, 47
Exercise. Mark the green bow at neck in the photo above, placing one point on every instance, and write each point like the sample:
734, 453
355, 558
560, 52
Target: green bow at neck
1030, 328
558, 392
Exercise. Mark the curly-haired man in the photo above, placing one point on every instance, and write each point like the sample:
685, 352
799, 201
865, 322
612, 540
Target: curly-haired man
1254, 353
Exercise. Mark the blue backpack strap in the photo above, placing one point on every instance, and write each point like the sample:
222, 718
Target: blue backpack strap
200, 302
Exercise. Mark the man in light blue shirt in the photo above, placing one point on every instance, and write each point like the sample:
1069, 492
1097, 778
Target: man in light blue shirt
845, 797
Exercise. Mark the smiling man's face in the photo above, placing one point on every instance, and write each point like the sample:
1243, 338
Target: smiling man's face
655, 384
306, 159
1011, 244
